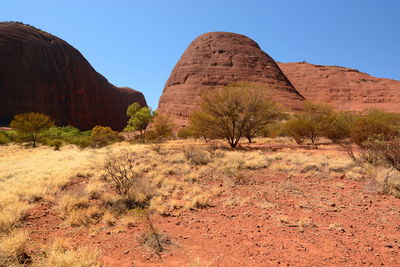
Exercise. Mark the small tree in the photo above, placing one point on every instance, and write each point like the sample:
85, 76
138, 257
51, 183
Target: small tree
310, 123
139, 118
264, 113
233, 112
201, 127
29, 125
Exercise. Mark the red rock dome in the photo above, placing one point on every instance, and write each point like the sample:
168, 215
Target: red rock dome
220, 58
42, 73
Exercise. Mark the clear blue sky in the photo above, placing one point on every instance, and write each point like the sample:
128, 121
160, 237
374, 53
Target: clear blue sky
137, 43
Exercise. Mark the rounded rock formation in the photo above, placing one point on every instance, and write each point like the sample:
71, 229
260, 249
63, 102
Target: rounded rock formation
42, 73
220, 58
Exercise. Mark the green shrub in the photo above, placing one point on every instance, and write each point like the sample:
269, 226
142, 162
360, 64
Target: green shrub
66, 135
4, 140
297, 129
375, 124
82, 141
55, 143
274, 130
337, 127
103, 136
310, 123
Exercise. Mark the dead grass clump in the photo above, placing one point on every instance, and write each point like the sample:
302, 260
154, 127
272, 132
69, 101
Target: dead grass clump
153, 240
77, 211
291, 188
300, 162
61, 254
12, 248
12, 213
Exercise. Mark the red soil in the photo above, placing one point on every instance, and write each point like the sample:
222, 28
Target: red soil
316, 221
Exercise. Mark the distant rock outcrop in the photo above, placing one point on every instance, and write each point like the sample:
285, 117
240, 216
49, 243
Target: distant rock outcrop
42, 73
343, 88
220, 58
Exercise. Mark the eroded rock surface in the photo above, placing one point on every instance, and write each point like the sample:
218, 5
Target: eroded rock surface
42, 73
220, 58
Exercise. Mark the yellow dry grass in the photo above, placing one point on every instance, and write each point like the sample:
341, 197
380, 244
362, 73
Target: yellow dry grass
62, 255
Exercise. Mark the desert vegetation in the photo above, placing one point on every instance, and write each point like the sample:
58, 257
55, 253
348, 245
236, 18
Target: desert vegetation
147, 194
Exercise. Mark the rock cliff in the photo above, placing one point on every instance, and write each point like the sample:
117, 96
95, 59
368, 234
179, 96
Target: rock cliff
343, 88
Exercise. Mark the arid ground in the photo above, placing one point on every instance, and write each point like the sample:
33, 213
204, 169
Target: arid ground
271, 203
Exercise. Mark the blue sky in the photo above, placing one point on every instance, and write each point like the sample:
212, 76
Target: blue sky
137, 43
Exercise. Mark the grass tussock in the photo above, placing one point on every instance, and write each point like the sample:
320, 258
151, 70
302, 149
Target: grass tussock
12, 248
61, 254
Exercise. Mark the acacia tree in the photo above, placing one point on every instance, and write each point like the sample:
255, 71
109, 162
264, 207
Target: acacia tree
139, 118
263, 113
29, 125
233, 112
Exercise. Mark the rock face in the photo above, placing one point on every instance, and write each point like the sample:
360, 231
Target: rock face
216, 59
42, 73
343, 88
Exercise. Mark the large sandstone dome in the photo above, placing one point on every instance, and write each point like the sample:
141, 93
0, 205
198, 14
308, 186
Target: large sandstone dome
220, 58
343, 88
42, 73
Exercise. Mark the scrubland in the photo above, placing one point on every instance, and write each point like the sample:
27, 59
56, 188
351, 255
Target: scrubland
193, 203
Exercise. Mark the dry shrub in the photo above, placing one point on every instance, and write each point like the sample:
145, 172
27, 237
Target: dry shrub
122, 169
153, 240
384, 154
196, 156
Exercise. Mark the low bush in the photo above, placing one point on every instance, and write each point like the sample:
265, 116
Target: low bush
56, 144
103, 136
185, 133
297, 129
4, 140
375, 124
82, 141
196, 156
310, 123
161, 128
273, 130
338, 126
